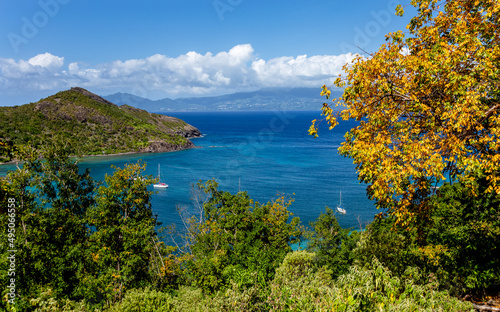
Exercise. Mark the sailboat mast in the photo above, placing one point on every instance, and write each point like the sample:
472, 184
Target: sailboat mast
160, 184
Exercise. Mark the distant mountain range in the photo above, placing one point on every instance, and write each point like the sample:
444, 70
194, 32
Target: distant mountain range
261, 100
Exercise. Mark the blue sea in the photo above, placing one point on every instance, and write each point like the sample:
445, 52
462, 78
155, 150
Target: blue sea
263, 153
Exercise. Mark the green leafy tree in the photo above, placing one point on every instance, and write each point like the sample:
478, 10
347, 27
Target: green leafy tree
51, 198
332, 245
144, 300
123, 244
239, 239
76, 240
463, 239
394, 249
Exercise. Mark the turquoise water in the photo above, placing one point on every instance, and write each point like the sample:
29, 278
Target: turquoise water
264, 153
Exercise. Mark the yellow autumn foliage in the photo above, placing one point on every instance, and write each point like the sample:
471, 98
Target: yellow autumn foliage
427, 103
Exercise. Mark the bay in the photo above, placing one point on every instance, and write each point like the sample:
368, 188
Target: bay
263, 153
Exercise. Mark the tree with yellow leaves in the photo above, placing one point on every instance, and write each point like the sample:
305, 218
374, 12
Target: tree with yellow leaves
428, 104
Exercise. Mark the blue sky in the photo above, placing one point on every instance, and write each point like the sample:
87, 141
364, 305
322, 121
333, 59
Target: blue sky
175, 48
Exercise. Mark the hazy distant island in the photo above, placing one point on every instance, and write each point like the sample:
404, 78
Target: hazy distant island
291, 99
92, 125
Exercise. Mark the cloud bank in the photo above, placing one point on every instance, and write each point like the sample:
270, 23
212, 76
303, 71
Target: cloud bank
189, 74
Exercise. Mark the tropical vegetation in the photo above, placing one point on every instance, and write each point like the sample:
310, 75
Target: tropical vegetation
426, 147
86, 245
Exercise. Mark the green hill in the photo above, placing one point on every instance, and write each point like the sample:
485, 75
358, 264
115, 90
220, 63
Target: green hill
91, 125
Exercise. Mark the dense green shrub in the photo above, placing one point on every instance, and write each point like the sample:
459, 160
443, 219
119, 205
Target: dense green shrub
232, 299
46, 301
332, 244
393, 249
463, 239
298, 286
144, 300
459, 244
371, 288
238, 239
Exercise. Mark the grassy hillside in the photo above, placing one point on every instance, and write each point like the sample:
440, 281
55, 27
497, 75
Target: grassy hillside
92, 125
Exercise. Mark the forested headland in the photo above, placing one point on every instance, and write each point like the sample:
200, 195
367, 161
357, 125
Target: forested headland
90, 125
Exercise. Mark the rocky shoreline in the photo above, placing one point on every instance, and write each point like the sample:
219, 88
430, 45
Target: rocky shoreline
189, 132
164, 147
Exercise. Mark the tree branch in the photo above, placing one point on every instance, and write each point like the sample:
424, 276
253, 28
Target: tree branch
484, 308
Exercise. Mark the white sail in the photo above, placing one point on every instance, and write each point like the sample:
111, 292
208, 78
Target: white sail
160, 184
339, 207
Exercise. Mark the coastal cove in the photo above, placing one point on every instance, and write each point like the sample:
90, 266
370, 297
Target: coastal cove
263, 153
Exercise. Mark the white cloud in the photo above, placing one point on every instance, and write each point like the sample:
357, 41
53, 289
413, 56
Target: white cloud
73, 68
302, 70
191, 73
48, 61
41, 72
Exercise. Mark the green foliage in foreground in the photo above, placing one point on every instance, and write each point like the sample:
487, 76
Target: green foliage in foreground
92, 246
238, 239
298, 286
75, 238
332, 244
463, 239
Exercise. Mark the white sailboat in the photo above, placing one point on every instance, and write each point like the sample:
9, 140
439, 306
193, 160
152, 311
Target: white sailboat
339, 206
160, 184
